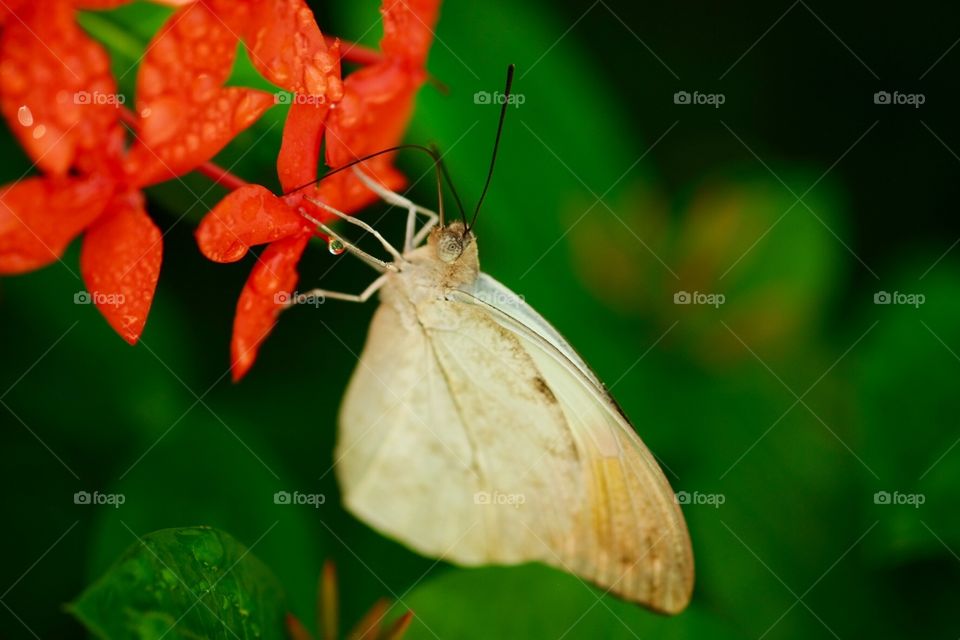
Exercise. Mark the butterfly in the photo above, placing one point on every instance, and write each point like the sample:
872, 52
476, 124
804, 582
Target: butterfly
473, 432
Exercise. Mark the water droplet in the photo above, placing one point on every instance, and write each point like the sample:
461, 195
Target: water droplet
39, 131
207, 549
336, 246
145, 112
25, 116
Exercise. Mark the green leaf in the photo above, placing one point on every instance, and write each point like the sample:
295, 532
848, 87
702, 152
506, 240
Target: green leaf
192, 582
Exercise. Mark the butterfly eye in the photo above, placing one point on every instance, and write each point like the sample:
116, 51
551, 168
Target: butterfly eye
449, 246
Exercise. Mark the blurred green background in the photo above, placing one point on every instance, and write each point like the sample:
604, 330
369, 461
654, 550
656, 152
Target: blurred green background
793, 403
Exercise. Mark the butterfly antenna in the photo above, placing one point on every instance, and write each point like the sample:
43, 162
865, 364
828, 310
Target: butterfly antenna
439, 169
438, 158
496, 142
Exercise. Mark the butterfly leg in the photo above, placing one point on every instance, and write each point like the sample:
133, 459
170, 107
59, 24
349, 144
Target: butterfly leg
315, 296
411, 240
376, 263
354, 221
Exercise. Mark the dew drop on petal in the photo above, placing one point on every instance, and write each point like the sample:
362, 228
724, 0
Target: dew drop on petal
25, 116
336, 246
39, 131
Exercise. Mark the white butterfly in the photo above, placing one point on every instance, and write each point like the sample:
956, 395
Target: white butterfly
471, 431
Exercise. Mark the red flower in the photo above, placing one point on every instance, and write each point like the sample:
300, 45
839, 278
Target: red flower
58, 95
60, 100
370, 115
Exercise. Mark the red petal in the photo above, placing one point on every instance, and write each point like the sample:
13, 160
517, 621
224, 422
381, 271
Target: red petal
272, 280
120, 263
186, 115
286, 46
56, 89
40, 216
110, 4
408, 29
378, 102
249, 216
373, 115
9, 7
300, 150
345, 192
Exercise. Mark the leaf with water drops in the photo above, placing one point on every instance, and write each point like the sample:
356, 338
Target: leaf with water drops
193, 582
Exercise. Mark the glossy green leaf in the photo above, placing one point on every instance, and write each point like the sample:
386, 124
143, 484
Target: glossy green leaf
182, 584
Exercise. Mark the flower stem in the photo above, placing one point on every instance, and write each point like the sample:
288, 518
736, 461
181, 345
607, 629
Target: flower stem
221, 176
357, 53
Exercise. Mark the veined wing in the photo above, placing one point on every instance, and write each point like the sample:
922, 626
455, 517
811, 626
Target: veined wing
452, 443
468, 434
630, 537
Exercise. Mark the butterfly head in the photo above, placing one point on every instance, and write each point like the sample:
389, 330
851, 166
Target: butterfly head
450, 242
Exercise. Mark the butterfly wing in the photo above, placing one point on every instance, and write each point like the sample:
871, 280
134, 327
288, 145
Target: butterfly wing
630, 536
472, 432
